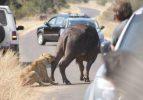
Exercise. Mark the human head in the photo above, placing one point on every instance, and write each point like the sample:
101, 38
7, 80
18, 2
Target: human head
122, 10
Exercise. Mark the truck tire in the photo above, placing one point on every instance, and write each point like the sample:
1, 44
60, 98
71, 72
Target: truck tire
2, 33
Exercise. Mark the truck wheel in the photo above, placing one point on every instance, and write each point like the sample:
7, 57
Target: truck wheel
2, 33
41, 39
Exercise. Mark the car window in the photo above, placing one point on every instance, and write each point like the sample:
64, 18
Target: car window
3, 18
133, 39
60, 21
74, 22
52, 21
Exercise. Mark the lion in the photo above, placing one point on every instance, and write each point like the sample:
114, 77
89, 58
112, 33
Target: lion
37, 72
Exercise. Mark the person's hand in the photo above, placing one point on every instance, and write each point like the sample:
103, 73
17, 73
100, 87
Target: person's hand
112, 47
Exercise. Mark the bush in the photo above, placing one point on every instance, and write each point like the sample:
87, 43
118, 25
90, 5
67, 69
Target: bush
35, 7
9, 79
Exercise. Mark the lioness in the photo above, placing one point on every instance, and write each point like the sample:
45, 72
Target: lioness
37, 72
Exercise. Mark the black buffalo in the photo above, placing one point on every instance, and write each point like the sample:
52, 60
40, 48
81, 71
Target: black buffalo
80, 42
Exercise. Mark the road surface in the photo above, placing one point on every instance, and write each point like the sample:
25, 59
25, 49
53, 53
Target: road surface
90, 12
30, 50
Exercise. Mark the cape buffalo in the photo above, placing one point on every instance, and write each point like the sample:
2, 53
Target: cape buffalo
80, 42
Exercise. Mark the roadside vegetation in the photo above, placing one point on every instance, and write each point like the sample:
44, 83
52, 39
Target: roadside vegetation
10, 88
135, 3
26, 8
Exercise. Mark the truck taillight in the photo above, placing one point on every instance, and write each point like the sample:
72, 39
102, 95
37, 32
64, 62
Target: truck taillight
14, 36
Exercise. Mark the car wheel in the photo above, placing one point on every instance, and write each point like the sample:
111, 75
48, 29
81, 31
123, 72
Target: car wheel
2, 33
41, 40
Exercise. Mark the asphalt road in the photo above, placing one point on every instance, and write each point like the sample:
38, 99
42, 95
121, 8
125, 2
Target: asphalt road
90, 12
30, 50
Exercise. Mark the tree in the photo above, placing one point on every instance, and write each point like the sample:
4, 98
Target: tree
7, 2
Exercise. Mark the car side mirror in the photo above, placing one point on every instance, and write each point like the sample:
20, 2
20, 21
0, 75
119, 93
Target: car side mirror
102, 27
20, 28
105, 47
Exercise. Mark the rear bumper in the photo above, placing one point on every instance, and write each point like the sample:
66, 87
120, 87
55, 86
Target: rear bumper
13, 47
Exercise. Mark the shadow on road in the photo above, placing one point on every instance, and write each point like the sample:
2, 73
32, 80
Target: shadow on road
63, 84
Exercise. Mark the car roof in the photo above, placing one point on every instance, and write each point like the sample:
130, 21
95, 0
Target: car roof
80, 19
71, 15
6, 8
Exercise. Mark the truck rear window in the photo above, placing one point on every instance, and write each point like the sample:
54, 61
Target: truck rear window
3, 18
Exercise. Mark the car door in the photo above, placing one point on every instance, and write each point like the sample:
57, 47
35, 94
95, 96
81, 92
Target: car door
60, 22
50, 26
54, 25
51, 31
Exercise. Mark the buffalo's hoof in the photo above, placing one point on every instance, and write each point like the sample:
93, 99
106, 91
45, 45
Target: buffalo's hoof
86, 80
52, 78
53, 83
67, 82
82, 78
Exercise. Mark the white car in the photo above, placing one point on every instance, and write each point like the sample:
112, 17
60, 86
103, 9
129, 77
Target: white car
8, 30
130, 40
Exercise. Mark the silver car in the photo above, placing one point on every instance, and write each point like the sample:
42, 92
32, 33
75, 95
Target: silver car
131, 40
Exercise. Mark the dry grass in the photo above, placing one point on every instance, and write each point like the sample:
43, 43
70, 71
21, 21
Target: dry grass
74, 7
9, 79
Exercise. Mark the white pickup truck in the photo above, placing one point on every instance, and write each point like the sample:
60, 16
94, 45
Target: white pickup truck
8, 30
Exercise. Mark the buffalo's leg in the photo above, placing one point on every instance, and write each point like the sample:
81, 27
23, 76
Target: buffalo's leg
54, 65
64, 62
81, 68
88, 66
58, 56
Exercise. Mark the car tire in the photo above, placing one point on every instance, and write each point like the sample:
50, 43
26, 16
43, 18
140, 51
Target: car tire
2, 33
41, 39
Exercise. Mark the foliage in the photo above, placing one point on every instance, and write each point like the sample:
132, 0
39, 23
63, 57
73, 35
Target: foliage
34, 7
135, 3
102, 2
